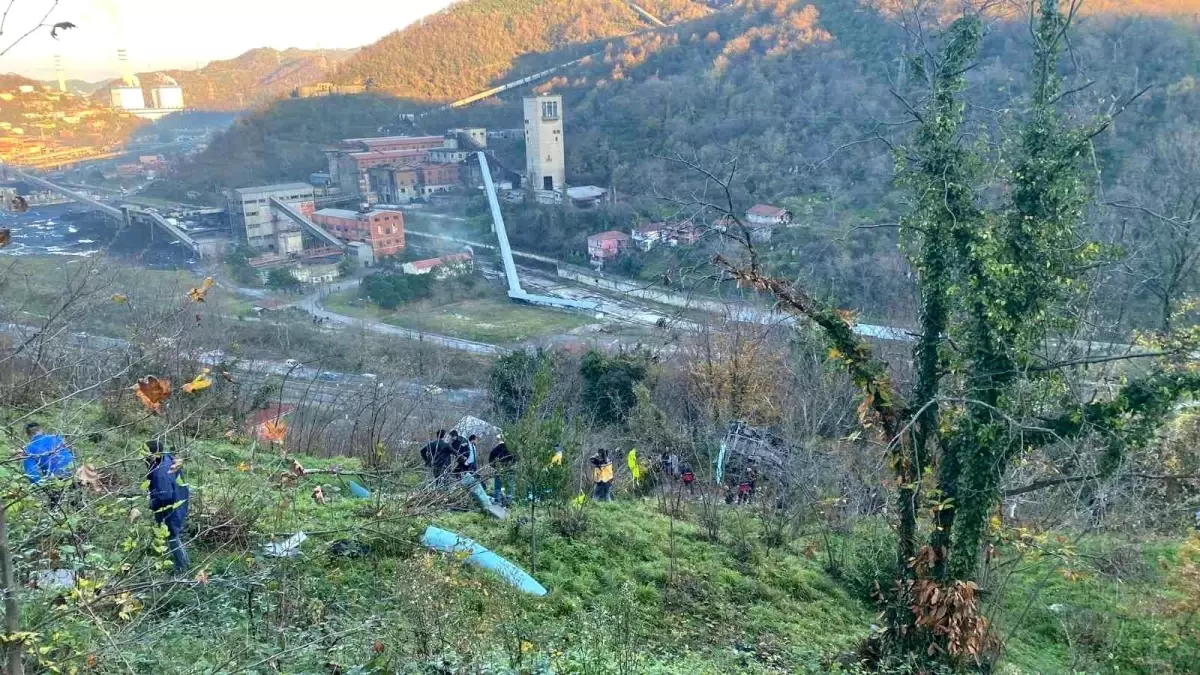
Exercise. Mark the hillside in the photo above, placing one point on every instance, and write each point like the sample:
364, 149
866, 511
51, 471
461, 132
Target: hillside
488, 38
257, 77
12, 81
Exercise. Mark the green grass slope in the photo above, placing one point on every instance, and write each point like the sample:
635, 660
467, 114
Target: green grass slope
626, 595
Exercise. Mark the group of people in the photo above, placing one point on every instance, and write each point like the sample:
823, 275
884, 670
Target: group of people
452, 455
48, 463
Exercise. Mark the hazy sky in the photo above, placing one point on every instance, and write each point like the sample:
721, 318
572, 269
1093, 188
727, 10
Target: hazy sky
185, 33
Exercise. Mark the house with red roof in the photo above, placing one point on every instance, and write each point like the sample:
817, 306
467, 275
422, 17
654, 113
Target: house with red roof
769, 216
608, 245
441, 267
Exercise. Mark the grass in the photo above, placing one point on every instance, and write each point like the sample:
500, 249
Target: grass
491, 318
723, 608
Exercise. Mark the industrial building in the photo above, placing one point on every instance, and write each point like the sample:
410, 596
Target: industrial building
545, 159
400, 184
382, 230
350, 161
265, 228
167, 95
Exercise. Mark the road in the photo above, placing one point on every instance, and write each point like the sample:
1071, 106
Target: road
312, 304
301, 384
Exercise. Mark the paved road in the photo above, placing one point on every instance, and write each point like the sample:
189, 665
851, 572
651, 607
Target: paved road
301, 383
312, 304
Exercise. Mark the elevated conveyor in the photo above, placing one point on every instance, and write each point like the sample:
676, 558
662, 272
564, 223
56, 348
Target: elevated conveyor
306, 224
515, 291
171, 228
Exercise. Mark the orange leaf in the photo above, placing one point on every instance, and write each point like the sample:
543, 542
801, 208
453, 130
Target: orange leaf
198, 294
152, 391
273, 431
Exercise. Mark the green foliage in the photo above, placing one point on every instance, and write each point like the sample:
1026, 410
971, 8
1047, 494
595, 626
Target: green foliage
511, 382
609, 382
389, 291
281, 279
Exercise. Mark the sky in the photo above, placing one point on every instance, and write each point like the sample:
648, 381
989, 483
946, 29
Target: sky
161, 34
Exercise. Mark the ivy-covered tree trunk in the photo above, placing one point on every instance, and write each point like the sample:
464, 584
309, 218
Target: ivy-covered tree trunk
997, 283
13, 652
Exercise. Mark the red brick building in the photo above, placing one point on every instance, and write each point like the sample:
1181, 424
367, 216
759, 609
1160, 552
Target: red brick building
607, 245
382, 230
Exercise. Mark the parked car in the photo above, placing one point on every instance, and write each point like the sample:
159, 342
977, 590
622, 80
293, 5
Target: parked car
329, 377
292, 363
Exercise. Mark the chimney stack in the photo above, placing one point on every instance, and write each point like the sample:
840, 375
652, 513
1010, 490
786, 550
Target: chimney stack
126, 71
58, 71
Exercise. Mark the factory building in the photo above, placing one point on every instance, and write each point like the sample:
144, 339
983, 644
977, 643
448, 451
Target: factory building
262, 227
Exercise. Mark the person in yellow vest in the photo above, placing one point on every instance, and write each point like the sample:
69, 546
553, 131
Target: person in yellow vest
602, 476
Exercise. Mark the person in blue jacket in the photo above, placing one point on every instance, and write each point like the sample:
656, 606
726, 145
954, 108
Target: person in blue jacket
168, 499
47, 458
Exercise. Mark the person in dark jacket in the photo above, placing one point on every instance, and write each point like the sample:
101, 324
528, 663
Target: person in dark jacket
429, 450
502, 462
473, 453
462, 455
168, 500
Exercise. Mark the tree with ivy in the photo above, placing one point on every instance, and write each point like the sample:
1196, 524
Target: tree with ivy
994, 360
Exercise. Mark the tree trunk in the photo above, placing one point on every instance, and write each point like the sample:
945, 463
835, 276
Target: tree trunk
14, 656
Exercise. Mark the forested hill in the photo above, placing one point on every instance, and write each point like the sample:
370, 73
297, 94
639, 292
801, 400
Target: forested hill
12, 81
259, 76
463, 49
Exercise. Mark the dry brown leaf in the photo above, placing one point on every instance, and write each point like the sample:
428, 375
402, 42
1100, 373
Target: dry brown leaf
297, 468
5, 237
318, 495
134, 514
120, 298
87, 476
202, 576
152, 391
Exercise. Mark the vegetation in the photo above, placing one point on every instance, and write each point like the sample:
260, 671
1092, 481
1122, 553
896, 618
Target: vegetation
389, 291
255, 78
995, 284
491, 36
282, 279
484, 317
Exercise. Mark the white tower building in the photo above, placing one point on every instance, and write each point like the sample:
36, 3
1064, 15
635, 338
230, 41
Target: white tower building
545, 159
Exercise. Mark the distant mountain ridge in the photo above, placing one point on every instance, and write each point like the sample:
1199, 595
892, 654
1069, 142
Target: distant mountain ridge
252, 79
